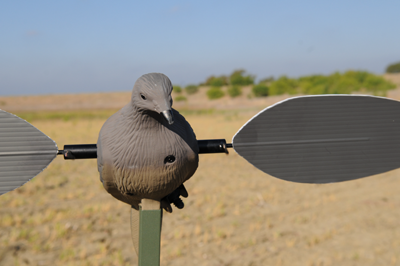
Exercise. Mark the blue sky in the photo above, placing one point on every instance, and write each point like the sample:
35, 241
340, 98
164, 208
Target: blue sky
52, 47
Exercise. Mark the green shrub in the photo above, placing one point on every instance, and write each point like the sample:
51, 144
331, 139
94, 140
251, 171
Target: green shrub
260, 90
336, 83
191, 89
215, 93
393, 68
283, 85
234, 91
177, 89
180, 98
378, 85
352, 81
238, 78
267, 80
216, 81
346, 83
316, 84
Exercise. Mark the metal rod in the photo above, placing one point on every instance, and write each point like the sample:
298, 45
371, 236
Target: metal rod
17, 153
89, 151
79, 151
212, 146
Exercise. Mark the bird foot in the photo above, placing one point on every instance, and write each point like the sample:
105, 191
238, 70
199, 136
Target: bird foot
174, 198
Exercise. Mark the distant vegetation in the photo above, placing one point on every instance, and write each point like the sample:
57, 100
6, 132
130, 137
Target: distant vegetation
260, 90
180, 98
238, 77
234, 91
215, 93
177, 89
267, 80
348, 82
216, 81
336, 83
393, 68
191, 89
283, 85
236, 80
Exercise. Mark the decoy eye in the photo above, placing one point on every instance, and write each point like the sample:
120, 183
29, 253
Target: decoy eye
169, 159
143, 97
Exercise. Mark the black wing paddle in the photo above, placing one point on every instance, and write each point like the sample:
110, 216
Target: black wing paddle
322, 139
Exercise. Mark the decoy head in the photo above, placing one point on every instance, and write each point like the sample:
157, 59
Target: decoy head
153, 92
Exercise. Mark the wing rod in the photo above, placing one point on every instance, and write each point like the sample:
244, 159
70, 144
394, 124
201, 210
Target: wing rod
89, 151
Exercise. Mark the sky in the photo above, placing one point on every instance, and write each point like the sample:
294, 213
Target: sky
58, 47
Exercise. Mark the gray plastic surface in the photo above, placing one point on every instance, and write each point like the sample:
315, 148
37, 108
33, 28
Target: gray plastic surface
135, 143
323, 139
24, 152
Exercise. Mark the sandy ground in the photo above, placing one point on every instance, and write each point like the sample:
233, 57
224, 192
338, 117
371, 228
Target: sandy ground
234, 215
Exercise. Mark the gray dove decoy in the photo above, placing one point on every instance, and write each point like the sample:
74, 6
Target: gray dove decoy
147, 149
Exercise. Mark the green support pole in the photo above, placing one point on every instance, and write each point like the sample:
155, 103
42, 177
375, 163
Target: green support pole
149, 233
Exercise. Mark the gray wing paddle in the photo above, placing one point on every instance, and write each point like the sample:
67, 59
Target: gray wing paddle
24, 152
323, 139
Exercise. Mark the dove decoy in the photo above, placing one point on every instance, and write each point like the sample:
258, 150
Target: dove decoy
147, 149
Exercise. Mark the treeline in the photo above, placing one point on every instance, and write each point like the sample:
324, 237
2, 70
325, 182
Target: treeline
336, 83
393, 68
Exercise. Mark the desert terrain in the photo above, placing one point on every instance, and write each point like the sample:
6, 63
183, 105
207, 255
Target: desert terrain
234, 215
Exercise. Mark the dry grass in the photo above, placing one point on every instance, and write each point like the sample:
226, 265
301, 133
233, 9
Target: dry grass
234, 215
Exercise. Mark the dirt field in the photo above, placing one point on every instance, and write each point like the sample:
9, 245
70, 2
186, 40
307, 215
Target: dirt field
234, 215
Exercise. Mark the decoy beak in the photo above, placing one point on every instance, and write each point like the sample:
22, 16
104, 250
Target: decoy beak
168, 115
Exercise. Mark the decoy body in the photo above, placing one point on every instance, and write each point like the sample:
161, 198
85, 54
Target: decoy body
147, 149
